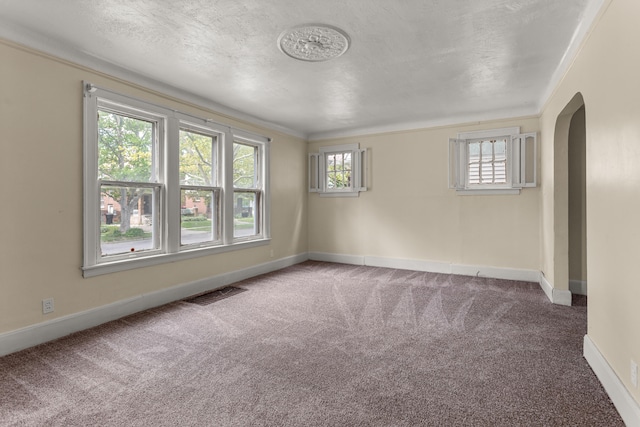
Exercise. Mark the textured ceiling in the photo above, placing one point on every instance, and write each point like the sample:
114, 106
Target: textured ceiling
410, 63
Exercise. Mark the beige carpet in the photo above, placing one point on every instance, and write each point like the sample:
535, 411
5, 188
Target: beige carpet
322, 344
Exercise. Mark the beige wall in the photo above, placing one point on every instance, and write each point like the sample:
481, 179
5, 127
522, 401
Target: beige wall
606, 73
41, 179
410, 213
577, 198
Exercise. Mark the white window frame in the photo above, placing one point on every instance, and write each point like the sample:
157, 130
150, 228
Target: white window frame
168, 188
521, 163
187, 124
261, 189
318, 171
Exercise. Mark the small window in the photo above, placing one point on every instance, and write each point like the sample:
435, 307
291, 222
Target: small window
338, 171
493, 161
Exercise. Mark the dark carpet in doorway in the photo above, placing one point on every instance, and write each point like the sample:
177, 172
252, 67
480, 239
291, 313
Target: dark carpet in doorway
217, 295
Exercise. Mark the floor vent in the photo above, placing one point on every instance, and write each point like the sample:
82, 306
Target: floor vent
217, 295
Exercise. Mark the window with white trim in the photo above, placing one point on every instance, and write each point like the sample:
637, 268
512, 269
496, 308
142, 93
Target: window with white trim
338, 170
174, 186
199, 189
247, 190
492, 161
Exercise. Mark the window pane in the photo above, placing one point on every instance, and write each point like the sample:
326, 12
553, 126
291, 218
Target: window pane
125, 148
197, 156
487, 150
127, 224
338, 170
347, 160
245, 158
500, 148
487, 162
474, 162
500, 161
245, 213
199, 217
474, 150
486, 170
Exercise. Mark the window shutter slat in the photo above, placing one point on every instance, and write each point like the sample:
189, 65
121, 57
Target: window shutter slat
524, 164
457, 163
314, 172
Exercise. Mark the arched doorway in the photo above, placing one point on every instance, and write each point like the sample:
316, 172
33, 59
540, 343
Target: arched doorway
570, 197
577, 199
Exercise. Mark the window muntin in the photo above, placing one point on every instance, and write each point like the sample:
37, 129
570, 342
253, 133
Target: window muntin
174, 173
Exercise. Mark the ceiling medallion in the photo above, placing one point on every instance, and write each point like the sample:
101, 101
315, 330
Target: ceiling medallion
313, 42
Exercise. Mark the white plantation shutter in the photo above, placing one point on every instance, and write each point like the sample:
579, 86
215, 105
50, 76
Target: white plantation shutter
360, 170
524, 166
315, 180
492, 160
457, 163
351, 162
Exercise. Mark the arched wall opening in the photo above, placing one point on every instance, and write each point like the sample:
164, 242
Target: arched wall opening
577, 198
570, 197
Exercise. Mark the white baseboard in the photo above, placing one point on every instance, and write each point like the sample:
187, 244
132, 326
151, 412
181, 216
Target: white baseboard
408, 264
30, 336
556, 296
624, 402
496, 272
42, 332
430, 266
339, 258
578, 287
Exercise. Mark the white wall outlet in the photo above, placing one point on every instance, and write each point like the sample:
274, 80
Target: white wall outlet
47, 305
634, 374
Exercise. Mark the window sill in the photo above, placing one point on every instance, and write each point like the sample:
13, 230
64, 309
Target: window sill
340, 194
130, 264
488, 192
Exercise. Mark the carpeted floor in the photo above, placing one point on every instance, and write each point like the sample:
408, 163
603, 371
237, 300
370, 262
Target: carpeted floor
321, 344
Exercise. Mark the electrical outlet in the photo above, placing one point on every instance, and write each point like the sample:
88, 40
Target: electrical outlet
47, 305
634, 373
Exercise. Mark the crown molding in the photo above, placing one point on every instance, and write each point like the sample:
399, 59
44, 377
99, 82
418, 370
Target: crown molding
591, 16
500, 115
21, 36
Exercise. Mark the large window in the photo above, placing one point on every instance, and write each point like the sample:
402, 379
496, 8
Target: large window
338, 170
493, 161
161, 185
